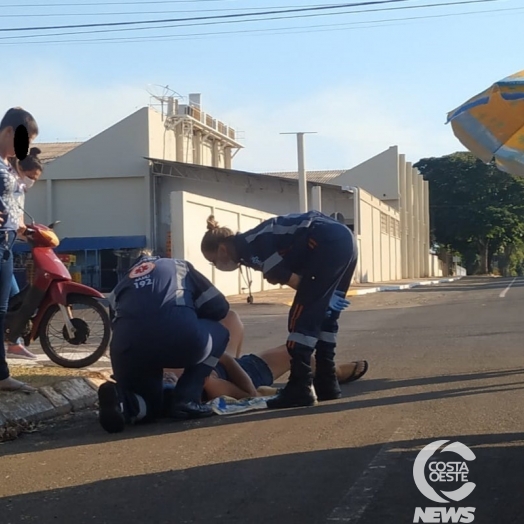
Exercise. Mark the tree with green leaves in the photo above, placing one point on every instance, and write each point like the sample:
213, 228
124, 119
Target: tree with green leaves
476, 209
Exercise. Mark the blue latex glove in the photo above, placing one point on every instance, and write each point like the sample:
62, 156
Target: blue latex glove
338, 302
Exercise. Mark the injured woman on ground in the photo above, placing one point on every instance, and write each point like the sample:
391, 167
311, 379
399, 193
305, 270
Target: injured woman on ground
253, 375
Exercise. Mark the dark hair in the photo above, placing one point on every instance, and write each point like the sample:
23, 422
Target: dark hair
215, 235
16, 117
31, 162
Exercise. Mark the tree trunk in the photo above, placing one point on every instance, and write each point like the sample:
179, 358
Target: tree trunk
484, 257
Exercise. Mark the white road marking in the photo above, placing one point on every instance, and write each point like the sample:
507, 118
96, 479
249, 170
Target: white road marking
354, 504
503, 293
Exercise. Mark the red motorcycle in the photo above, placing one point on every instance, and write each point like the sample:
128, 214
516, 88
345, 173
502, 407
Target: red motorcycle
54, 307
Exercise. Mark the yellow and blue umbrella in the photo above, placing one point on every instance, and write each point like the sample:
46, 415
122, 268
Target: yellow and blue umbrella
491, 124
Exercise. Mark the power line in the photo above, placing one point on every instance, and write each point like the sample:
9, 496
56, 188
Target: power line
303, 29
273, 31
216, 17
133, 13
141, 2
215, 22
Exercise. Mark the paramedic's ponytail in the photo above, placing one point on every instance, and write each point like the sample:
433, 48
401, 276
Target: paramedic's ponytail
215, 235
212, 224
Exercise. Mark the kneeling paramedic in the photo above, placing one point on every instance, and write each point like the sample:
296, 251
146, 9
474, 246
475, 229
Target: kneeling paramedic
165, 315
315, 255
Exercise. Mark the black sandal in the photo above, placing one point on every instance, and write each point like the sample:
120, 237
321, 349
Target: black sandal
356, 375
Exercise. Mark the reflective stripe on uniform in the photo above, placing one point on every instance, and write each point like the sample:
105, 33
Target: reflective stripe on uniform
206, 296
326, 336
142, 407
211, 360
277, 229
271, 262
305, 340
180, 276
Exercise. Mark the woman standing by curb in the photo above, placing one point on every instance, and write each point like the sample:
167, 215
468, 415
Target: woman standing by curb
18, 129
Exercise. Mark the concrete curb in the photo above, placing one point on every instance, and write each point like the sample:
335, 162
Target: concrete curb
400, 287
397, 287
48, 402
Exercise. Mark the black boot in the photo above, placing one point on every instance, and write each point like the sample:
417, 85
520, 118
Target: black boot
183, 410
110, 415
299, 390
184, 400
325, 381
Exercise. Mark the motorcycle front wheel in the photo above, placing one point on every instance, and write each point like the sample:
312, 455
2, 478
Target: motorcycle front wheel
86, 343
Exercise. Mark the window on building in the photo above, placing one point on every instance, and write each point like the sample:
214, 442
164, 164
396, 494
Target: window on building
392, 224
384, 223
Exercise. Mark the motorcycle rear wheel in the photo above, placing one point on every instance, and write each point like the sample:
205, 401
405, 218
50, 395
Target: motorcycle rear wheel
82, 335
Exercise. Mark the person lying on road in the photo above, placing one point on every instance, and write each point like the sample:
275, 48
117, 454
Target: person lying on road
253, 375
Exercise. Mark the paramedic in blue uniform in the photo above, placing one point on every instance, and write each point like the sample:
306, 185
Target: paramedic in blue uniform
316, 256
165, 315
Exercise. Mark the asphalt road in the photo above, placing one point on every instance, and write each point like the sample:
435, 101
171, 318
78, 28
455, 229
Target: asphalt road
446, 363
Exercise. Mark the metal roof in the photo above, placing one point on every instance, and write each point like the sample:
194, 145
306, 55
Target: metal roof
323, 177
53, 150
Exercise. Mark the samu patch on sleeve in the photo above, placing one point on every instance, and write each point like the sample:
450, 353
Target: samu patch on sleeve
142, 269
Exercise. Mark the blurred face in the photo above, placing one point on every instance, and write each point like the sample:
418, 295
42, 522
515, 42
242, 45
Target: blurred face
7, 138
221, 259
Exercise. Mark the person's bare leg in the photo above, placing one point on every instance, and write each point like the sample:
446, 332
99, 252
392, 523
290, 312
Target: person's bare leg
235, 327
348, 369
279, 362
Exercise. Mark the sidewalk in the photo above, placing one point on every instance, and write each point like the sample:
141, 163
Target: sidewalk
285, 295
60, 391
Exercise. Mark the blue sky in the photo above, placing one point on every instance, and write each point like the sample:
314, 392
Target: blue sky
361, 87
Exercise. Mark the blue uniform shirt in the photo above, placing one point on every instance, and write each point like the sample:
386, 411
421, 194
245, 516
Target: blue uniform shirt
154, 286
279, 246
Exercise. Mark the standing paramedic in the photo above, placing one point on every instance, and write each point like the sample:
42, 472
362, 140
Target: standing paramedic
166, 315
316, 256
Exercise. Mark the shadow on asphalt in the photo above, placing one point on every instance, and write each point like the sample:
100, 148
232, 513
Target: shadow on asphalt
62, 436
296, 487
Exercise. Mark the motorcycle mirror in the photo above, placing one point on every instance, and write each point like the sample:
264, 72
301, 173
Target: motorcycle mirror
32, 219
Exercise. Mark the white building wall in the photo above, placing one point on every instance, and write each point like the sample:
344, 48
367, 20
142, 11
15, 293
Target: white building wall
378, 176
435, 266
427, 227
266, 194
395, 182
379, 240
102, 187
365, 270
162, 143
114, 185
100, 208
189, 213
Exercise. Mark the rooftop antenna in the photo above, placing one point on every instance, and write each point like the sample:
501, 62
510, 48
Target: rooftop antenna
162, 96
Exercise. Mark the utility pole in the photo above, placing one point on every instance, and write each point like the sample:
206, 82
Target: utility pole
302, 178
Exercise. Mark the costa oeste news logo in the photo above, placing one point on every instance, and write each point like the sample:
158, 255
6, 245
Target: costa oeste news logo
441, 470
